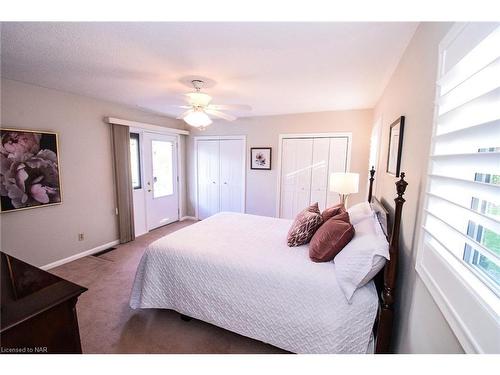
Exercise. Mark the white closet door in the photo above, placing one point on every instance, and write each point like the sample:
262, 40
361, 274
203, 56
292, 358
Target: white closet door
319, 173
231, 175
295, 176
208, 178
338, 163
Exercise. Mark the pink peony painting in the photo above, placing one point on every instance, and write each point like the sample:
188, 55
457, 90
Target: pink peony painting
29, 169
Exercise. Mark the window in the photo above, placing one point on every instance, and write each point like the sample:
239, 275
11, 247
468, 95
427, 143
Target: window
135, 160
459, 256
163, 181
487, 269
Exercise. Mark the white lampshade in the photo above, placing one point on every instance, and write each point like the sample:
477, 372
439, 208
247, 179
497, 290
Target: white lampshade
198, 119
344, 183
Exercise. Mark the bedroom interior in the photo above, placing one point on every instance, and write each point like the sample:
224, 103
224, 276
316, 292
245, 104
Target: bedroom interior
250, 188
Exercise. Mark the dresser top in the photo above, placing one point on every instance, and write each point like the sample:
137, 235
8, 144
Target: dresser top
27, 291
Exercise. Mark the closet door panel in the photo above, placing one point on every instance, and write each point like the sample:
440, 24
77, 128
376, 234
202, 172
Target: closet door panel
295, 176
231, 177
288, 178
208, 178
319, 172
338, 163
303, 170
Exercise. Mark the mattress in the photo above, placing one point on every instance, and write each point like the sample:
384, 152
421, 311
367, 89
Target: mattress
235, 271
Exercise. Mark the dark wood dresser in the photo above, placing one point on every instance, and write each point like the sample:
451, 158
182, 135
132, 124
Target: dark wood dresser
38, 313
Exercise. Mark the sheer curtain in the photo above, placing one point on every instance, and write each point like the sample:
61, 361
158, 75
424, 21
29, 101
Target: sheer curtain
120, 136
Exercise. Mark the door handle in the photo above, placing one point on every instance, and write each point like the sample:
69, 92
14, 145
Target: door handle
225, 183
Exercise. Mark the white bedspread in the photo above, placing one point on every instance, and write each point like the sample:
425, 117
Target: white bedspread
236, 272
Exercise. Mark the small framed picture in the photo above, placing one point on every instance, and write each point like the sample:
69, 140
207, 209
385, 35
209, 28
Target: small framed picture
260, 158
395, 146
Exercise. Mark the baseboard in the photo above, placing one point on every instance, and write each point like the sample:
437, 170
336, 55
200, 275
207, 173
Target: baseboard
80, 255
187, 218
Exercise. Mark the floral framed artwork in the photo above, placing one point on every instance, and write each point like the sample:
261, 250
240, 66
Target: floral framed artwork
260, 158
29, 169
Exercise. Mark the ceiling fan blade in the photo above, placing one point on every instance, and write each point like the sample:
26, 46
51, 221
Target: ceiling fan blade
184, 114
229, 107
222, 115
186, 106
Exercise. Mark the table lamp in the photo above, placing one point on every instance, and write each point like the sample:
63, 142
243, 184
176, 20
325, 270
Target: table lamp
344, 184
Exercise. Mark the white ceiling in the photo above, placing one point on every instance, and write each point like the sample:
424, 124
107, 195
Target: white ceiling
276, 68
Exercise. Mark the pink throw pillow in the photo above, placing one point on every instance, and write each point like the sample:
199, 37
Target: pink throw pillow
331, 238
330, 212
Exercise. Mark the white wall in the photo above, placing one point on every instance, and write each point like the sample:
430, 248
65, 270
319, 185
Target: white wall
44, 235
264, 131
420, 326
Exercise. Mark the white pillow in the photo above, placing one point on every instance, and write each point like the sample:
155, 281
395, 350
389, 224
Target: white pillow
359, 212
362, 258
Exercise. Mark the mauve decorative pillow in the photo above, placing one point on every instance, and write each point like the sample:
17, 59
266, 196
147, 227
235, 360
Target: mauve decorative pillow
331, 238
330, 212
304, 226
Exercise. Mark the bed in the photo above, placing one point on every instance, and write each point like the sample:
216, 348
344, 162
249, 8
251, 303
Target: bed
235, 271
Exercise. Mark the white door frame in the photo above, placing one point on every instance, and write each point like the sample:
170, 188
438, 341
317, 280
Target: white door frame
243, 173
141, 132
347, 135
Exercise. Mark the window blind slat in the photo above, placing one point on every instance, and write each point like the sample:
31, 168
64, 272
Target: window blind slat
456, 239
468, 140
461, 220
482, 218
463, 191
479, 84
481, 110
431, 238
470, 35
480, 56
466, 165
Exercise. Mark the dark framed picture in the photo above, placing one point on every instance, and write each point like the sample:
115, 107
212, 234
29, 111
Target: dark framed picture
260, 158
395, 146
29, 169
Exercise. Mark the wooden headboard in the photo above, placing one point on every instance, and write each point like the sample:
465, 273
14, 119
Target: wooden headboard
382, 216
387, 277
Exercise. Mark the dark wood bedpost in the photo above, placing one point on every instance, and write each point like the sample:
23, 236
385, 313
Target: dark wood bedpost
385, 317
372, 173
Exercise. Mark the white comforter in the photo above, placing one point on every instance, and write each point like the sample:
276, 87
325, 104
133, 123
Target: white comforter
236, 271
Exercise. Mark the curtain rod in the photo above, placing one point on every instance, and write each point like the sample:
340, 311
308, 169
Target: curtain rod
143, 125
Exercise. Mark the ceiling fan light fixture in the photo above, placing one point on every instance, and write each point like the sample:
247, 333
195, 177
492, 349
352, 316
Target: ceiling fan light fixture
199, 99
198, 119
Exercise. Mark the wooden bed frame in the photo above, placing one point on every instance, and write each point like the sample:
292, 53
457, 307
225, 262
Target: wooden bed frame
385, 280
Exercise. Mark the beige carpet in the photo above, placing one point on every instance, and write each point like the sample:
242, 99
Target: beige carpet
109, 325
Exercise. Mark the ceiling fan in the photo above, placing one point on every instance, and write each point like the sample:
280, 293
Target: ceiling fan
199, 108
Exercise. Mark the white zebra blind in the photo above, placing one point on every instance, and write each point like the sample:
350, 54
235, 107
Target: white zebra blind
462, 212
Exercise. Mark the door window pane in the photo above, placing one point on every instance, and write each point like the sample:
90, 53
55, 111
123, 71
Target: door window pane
163, 181
135, 161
